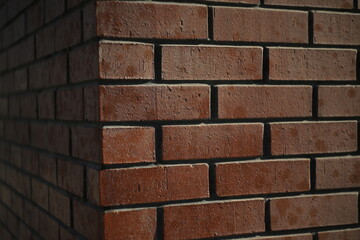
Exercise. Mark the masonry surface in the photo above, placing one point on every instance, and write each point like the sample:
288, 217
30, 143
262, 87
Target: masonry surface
221, 119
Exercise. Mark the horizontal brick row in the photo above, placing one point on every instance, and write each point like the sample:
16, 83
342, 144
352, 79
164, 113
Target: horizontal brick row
342, 4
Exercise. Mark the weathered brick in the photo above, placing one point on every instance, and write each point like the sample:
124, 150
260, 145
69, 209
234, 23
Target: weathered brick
337, 172
59, 206
347, 4
154, 102
211, 63
312, 64
71, 177
348, 234
163, 20
313, 211
239, 24
339, 101
307, 236
336, 28
214, 219
134, 224
239, 101
70, 104
212, 141
256, 177
153, 184
313, 137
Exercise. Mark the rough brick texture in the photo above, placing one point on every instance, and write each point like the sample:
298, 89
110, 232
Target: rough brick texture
162, 120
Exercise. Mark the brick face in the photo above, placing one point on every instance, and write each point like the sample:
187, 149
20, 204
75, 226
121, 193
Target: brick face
238, 24
255, 177
153, 184
313, 211
214, 219
346, 4
350, 234
211, 63
312, 64
217, 141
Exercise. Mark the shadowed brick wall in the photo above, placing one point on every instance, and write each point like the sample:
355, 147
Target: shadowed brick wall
165, 120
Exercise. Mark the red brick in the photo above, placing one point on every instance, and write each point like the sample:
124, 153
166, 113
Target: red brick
214, 219
84, 63
68, 31
256, 177
53, 9
153, 184
85, 216
30, 161
312, 64
249, 101
93, 185
336, 28
28, 106
339, 101
71, 177
46, 105
23, 52
237, 1
154, 102
86, 143
212, 141
307, 236
48, 228
35, 16
70, 104
59, 206
3, 106
313, 3
313, 137
211, 63
238, 24
40, 194
134, 224
313, 211
89, 21
48, 73
348, 234
45, 43
47, 168
91, 103
337, 172
163, 20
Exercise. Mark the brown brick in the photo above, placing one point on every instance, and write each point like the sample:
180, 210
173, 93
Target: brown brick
3, 106
30, 161
339, 101
31, 215
84, 63
134, 224
68, 31
48, 228
313, 3
23, 52
239, 101
337, 172
64, 234
15, 155
45, 43
17, 131
46, 105
73, 3
212, 141
71, 177
211, 63
93, 185
236, 1
59, 206
28, 106
14, 103
336, 28
70, 104
257, 177
53, 9
85, 216
312, 64
348, 234
35, 16
313, 211
313, 137
307, 236
154, 102
214, 219
153, 184
40, 194
91, 103
47, 168
57, 138
238, 24
163, 20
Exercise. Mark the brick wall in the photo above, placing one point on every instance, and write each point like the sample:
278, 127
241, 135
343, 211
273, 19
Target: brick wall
228, 119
